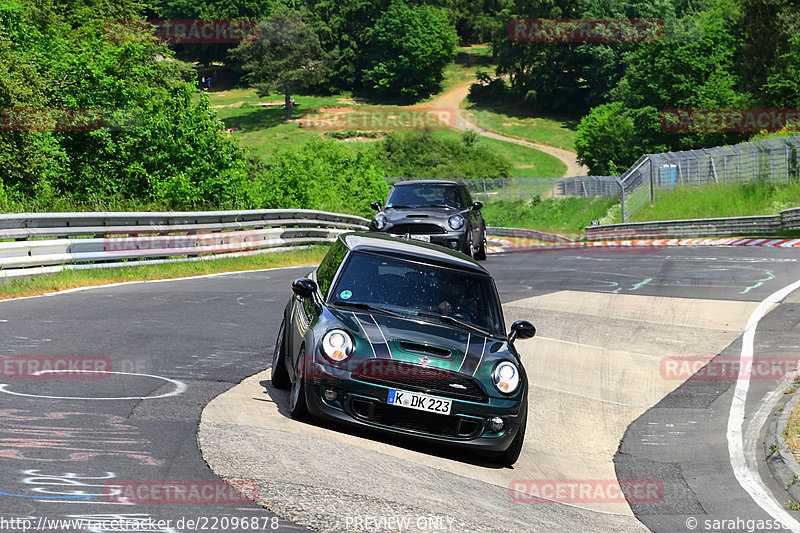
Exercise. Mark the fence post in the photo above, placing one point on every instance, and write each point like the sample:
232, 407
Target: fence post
652, 185
504, 190
622, 200
521, 190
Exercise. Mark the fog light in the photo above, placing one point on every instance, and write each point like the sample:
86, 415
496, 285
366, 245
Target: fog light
329, 395
496, 424
453, 244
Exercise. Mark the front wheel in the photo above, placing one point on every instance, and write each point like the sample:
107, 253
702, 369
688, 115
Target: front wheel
297, 397
511, 454
480, 254
280, 377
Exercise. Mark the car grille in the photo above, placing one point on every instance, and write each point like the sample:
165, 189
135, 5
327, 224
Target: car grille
416, 229
414, 420
418, 378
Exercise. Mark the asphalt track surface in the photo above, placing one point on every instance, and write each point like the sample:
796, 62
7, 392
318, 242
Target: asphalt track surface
65, 444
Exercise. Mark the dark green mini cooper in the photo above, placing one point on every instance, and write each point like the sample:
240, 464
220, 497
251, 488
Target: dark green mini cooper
407, 338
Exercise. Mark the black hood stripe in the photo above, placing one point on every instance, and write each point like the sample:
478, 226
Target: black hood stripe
375, 336
474, 355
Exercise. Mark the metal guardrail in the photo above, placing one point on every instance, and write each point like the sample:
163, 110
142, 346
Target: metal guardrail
527, 234
50, 242
788, 220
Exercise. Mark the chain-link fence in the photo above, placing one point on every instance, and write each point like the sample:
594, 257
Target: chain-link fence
522, 189
772, 160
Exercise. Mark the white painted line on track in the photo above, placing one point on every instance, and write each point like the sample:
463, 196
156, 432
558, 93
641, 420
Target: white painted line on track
180, 387
748, 478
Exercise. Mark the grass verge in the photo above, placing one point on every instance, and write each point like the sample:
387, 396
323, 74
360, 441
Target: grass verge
70, 279
712, 201
566, 216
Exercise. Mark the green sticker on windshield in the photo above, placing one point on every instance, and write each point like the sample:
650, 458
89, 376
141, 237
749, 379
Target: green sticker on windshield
345, 295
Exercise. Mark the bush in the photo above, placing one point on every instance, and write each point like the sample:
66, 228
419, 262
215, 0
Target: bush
321, 174
425, 155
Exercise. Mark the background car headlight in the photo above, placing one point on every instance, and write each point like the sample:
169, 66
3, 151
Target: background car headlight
506, 377
337, 345
380, 221
456, 221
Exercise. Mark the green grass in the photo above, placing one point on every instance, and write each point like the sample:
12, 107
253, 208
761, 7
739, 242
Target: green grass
519, 122
721, 201
566, 216
262, 131
526, 162
69, 279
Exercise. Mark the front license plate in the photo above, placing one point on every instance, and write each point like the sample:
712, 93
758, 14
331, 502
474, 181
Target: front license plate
420, 402
423, 238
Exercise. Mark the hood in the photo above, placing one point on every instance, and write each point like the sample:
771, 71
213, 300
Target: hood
425, 343
420, 214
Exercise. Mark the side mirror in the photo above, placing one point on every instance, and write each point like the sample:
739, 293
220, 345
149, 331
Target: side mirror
304, 287
376, 206
521, 329
477, 206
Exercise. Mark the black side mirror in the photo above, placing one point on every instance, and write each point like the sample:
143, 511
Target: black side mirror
376, 206
521, 329
304, 287
477, 206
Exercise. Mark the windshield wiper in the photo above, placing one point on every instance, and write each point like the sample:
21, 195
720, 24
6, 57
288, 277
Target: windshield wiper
441, 205
455, 322
399, 207
368, 307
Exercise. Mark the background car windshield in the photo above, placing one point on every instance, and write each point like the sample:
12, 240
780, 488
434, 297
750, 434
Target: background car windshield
410, 288
425, 195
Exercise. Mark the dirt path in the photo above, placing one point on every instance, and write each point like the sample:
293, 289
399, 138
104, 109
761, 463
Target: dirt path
453, 98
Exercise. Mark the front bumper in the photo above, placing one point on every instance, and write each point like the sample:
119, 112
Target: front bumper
364, 404
454, 239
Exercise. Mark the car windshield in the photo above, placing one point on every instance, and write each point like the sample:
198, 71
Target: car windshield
422, 291
425, 195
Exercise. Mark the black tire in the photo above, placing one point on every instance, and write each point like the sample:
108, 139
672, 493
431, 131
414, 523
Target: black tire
467, 250
480, 254
297, 396
280, 377
511, 454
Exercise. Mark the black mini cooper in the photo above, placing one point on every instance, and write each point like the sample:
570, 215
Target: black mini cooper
439, 212
405, 338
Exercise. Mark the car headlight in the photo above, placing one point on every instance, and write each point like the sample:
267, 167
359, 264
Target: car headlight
337, 345
505, 377
380, 221
456, 221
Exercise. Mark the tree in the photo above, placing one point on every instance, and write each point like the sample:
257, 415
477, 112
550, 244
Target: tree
285, 54
603, 140
409, 49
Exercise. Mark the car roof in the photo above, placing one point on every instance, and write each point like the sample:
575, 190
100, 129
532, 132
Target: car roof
427, 182
411, 251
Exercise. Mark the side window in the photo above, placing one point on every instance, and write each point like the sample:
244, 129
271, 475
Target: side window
467, 197
329, 265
